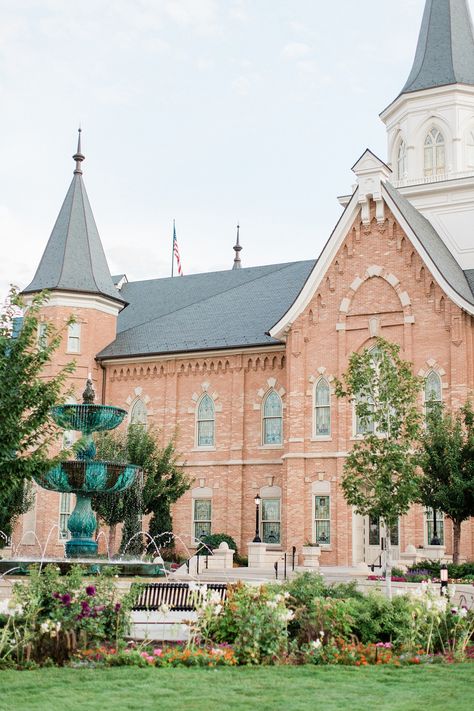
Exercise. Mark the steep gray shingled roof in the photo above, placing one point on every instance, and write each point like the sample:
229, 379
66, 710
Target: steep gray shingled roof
74, 258
445, 51
209, 311
469, 273
433, 244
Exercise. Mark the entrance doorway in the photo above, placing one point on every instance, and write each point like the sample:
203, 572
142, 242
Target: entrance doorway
375, 540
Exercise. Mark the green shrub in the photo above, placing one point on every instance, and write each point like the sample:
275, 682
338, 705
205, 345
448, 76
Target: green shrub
213, 540
431, 569
376, 619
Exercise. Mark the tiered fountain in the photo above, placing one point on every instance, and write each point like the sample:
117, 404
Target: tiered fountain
85, 476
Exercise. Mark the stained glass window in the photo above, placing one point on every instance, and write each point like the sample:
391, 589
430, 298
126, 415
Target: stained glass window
205, 422
322, 409
202, 512
272, 419
138, 416
322, 520
433, 391
271, 521
65, 510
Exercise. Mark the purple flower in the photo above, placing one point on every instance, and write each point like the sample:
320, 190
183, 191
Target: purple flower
90, 590
66, 599
118, 607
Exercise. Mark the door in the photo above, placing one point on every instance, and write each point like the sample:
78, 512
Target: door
375, 539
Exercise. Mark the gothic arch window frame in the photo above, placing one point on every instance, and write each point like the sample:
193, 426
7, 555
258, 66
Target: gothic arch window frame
433, 148
429, 402
401, 159
200, 420
266, 417
139, 401
322, 381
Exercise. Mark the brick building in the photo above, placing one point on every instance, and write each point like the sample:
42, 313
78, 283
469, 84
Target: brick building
241, 363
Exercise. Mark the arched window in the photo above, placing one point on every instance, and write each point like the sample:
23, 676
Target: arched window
365, 425
470, 149
402, 161
138, 415
272, 419
433, 391
322, 409
205, 422
435, 156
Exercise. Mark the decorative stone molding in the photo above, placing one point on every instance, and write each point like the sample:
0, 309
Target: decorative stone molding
196, 397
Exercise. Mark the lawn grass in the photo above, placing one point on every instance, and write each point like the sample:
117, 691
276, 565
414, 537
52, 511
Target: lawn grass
308, 688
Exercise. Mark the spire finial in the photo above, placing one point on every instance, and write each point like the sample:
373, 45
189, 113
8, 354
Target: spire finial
78, 156
237, 249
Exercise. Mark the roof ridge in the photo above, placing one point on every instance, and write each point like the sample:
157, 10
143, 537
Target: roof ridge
213, 296
82, 186
74, 183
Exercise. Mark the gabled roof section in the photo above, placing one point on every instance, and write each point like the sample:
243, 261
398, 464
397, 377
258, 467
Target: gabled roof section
433, 246
74, 258
445, 51
200, 312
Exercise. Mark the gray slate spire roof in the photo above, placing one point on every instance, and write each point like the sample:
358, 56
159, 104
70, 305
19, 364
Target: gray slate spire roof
445, 51
74, 258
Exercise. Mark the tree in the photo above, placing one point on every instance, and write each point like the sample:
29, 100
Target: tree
380, 472
163, 483
13, 504
447, 461
26, 396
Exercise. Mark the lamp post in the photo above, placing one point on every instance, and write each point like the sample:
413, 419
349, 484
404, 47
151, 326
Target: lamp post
443, 576
435, 540
257, 538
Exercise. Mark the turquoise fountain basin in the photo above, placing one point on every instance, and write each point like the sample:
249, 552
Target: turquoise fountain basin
88, 418
89, 477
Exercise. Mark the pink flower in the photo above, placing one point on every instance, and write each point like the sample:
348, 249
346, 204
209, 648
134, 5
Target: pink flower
157, 652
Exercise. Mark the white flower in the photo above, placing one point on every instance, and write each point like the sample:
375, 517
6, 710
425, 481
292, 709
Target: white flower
316, 643
215, 597
286, 595
218, 610
45, 627
463, 612
164, 609
321, 634
287, 615
272, 603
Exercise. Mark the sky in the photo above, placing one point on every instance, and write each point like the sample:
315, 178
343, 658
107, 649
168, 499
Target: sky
208, 112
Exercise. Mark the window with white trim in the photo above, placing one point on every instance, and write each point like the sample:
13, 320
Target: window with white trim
376, 535
433, 392
271, 522
402, 161
272, 420
65, 510
434, 153
74, 338
202, 517
322, 409
322, 520
205, 422
429, 517
138, 415
42, 335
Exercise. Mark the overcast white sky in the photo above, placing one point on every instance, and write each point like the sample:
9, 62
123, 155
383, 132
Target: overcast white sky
206, 111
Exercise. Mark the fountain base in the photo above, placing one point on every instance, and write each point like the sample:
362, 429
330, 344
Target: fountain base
81, 548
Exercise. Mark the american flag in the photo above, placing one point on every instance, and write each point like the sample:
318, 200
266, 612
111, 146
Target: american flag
176, 251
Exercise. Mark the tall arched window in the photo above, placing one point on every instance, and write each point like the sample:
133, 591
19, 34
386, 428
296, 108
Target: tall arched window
272, 425
470, 149
433, 398
205, 422
402, 161
435, 155
365, 425
322, 409
138, 415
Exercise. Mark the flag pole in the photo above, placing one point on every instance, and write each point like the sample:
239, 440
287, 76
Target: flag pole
172, 250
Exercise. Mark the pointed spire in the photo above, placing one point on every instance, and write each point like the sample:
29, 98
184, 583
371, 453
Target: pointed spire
74, 258
445, 51
237, 249
78, 156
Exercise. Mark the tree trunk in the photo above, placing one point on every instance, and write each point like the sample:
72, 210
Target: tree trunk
112, 537
388, 564
456, 540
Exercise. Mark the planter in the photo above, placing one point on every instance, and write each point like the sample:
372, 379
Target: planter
311, 556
